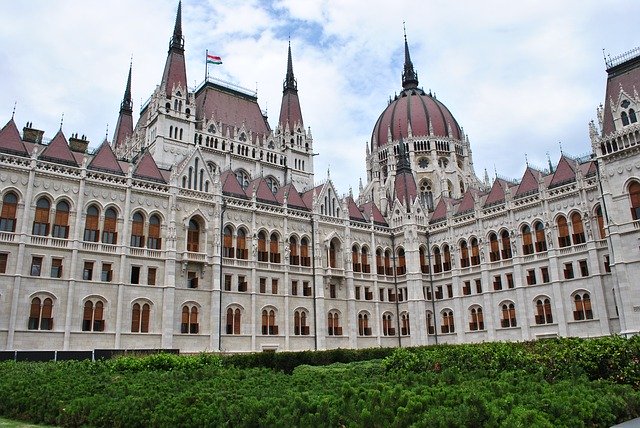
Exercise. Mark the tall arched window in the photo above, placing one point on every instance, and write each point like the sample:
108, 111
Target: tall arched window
634, 195
332, 254
387, 325
109, 232
632, 116
233, 320
446, 252
333, 324
494, 247
263, 254
140, 318
506, 244
583, 309
193, 236
41, 219
154, 241
564, 240
475, 252
227, 242
448, 325
294, 257
527, 240
8, 213
625, 118
300, 327
379, 262
91, 224
541, 240
305, 260
437, 260
426, 194
61, 221
476, 319
243, 178
41, 314
364, 260
189, 323
137, 230
508, 318
600, 219
93, 316
241, 244
464, 254
543, 311
401, 269
431, 328
355, 259
269, 326
274, 249
405, 325
363, 324
578, 229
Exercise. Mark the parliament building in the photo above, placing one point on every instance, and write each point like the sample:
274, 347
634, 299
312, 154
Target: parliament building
200, 227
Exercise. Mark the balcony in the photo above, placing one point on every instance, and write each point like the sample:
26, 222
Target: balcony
194, 257
7, 236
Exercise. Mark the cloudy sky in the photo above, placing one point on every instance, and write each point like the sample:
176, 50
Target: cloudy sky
520, 77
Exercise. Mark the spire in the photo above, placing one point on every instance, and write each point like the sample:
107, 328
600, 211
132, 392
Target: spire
405, 184
403, 159
409, 76
175, 71
124, 126
177, 41
290, 81
127, 104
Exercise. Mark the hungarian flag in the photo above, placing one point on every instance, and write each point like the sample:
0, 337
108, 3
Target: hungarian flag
212, 59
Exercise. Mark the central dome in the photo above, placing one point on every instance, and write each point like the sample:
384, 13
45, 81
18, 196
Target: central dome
423, 112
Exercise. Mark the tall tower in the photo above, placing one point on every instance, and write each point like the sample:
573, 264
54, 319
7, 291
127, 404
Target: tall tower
124, 127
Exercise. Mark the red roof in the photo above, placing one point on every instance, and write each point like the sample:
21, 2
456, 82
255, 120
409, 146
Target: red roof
440, 213
370, 210
294, 200
58, 151
124, 128
175, 72
307, 196
405, 188
231, 186
147, 169
10, 140
105, 160
262, 191
354, 211
529, 182
290, 112
564, 172
625, 77
467, 203
418, 109
496, 195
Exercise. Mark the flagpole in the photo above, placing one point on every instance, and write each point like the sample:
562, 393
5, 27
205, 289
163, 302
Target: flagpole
206, 65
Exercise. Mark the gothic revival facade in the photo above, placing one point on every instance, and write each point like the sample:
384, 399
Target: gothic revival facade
200, 228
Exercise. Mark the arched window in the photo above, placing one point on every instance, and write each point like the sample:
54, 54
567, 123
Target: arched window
137, 230
541, 240
632, 116
263, 254
61, 221
333, 323
300, 327
582, 307
426, 194
273, 184
578, 229
233, 320
274, 249
8, 213
91, 227
154, 241
424, 265
494, 248
464, 254
93, 316
364, 260
294, 257
625, 118
543, 311
387, 325
564, 240
387, 263
475, 252
446, 252
41, 219
527, 240
431, 328
269, 326
227, 242
363, 324
405, 327
189, 322
355, 259
241, 244
437, 260
140, 318
476, 319
332, 254
634, 195
600, 219
402, 263
41, 314
109, 233
243, 178
305, 260
448, 325
506, 244
508, 317
193, 236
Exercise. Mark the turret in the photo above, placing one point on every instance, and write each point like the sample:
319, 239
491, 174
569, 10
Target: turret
124, 127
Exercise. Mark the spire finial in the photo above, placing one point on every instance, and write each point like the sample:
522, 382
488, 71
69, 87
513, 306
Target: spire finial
409, 75
127, 104
61, 120
13, 113
560, 144
290, 81
176, 40
526, 160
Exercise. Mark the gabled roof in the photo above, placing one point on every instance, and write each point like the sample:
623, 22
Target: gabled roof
231, 186
405, 188
294, 199
588, 168
496, 195
440, 213
58, 151
354, 212
147, 169
621, 76
10, 141
467, 203
262, 191
370, 210
307, 196
564, 173
529, 182
105, 160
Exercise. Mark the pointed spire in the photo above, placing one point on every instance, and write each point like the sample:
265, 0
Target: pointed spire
177, 41
290, 111
124, 126
403, 159
175, 71
290, 81
409, 76
127, 104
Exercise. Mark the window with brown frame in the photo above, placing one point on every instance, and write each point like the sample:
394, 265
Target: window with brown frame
135, 275
364, 260
494, 246
431, 328
379, 262
154, 241
466, 288
600, 219
193, 236
93, 319
91, 227
109, 231
151, 275
227, 243
578, 229
634, 196
584, 268
583, 309
242, 252
478, 282
263, 254
506, 245
305, 260
446, 252
541, 240
387, 325
424, 265
497, 282
233, 321
527, 240
140, 315
189, 323
448, 325
242, 283
106, 274
269, 326
387, 263
437, 260
332, 255
475, 252
334, 324
405, 325
4, 257
464, 255
274, 286
543, 312
401, 269
61, 221
40, 314
508, 318
56, 268
294, 257
564, 240
477, 319
568, 271
355, 259
300, 327
306, 288
544, 272
87, 271
274, 249
36, 266
509, 277
363, 325
8, 212
41, 218
531, 277
137, 230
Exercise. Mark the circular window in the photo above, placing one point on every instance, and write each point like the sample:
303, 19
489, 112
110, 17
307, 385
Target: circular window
423, 162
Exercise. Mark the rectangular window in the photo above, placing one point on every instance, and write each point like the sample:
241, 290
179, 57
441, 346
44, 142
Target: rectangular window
449, 290
584, 268
332, 291
392, 296
544, 271
56, 268
274, 286
607, 266
227, 282
263, 285
87, 271
466, 288
242, 283
135, 274
107, 273
510, 283
36, 265
3, 262
381, 293
438, 292
531, 277
427, 293
497, 283
151, 276
357, 293
400, 295
478, 286
192, 279
568, 270
306, 288
294, 287
368, 295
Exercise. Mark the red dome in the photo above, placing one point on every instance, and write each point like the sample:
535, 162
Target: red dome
413, 106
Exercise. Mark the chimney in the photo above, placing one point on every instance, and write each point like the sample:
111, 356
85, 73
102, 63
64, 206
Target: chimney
78, 144
32, 135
